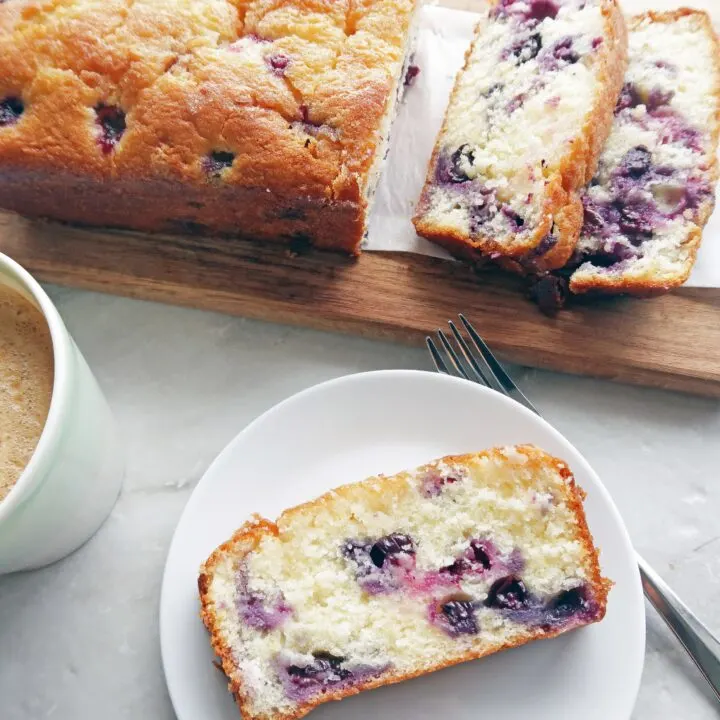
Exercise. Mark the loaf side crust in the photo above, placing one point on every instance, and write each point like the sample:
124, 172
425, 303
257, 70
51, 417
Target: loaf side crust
247, 538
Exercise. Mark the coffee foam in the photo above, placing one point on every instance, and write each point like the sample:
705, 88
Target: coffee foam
26, 381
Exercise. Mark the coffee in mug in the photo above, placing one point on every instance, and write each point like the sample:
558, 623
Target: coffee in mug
26, 383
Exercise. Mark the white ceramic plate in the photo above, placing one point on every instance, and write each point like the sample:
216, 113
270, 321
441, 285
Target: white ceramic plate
360, 425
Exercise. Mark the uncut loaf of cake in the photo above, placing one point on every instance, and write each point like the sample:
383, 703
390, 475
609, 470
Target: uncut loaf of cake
395, 577
243, 117
526, 122
655, 186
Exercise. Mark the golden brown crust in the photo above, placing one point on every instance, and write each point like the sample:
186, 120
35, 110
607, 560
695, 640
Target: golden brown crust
648, 284
246, 539
561, 214
195, 78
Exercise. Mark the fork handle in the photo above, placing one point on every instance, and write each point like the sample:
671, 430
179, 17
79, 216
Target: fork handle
702, 646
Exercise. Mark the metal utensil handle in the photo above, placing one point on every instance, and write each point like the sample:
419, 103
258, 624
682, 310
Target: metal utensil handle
702, 647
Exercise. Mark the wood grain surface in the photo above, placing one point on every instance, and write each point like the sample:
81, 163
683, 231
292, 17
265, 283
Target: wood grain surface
672, 341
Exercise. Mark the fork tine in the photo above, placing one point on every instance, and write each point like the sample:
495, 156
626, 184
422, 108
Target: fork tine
498, 372
454, 359
468, 354
436, 356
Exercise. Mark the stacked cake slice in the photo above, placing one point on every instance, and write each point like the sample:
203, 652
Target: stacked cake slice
525, 128
655, 185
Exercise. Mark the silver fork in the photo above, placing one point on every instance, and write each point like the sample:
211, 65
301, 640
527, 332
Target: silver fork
477, 364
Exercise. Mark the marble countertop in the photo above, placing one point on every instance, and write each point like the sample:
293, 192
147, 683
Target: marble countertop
79, 639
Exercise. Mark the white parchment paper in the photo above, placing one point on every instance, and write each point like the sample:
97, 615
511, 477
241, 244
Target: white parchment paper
444, 36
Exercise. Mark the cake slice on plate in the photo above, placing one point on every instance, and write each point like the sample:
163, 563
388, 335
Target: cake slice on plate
525, 125
655, 186
395, 577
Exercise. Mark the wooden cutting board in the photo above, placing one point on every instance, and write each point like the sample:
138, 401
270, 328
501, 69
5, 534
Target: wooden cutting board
672, 341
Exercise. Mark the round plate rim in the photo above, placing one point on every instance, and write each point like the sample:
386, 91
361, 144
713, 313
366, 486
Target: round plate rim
324, 386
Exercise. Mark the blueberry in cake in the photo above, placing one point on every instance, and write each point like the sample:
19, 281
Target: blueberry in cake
655, 185
239, 117
523, 130
395, 577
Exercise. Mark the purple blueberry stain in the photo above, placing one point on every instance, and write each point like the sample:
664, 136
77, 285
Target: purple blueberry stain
596, 43
695, 192
257, 610
637, 220
563, 52
494, 89
278, 63
111, 121
553, 101
515, 221
632, 96
516, 103
542, 248
642, 196
569, 602
542, 10
382, 565
481, 552
525, 49
303, 681
462, 159
218, 161
11, 108
507, 593
510, 597
312, 128
396, 548
610, 254
411, 75
629, 97
658, 98
566, 608
460, 617
454, 615
674, 129
479, 557
433, 482
482, 211
636, 162
259, 613
533, 11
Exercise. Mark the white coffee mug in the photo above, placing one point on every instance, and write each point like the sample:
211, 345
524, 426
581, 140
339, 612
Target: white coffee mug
74, 476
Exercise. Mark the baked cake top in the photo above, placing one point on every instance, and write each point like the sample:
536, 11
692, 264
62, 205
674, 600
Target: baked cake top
288, 95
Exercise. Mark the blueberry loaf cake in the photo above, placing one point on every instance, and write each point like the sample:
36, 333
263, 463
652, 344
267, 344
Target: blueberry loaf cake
655, 185
525, 125
395, 577
243, 117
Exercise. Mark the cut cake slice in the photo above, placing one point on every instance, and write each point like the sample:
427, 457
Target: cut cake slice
525, 125
395, 577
